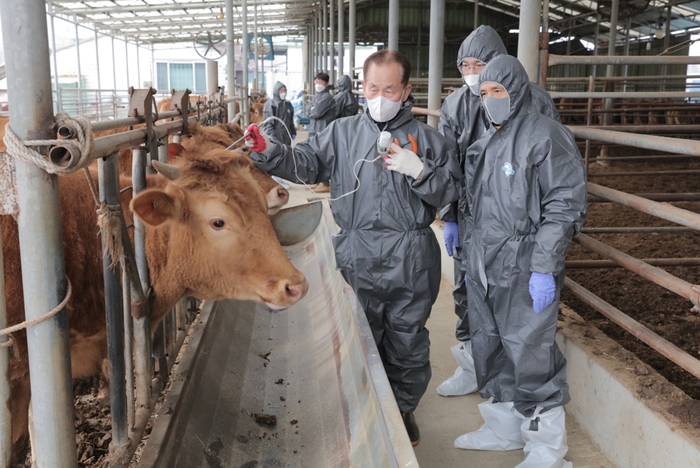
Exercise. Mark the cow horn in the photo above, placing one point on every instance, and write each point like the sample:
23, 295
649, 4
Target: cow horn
169, 171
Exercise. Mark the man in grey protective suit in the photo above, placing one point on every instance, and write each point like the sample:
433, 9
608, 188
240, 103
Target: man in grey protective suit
345, 102
526, 192
321, 109
279, 107
462, 121
385, 249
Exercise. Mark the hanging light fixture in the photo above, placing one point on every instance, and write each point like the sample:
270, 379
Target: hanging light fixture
660, 32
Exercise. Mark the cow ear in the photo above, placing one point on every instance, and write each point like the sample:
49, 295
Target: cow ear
154, 207
174, 150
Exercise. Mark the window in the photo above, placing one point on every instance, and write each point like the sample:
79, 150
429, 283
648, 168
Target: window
180, 76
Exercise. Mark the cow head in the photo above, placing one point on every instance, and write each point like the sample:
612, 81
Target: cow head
203, 139
220, 243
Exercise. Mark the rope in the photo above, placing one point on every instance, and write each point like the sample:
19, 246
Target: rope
10, 343
82, 145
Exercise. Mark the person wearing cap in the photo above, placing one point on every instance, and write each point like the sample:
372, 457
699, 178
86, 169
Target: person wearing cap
526, 194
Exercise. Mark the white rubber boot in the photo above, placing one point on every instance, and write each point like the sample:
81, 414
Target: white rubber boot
463, 382
501, 432
545, 440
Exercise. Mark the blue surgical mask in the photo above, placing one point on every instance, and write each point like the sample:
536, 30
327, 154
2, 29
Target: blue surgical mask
497, 109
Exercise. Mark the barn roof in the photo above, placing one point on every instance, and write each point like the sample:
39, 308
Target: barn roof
157, 21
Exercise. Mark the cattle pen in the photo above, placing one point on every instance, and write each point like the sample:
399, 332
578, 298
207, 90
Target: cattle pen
228, 382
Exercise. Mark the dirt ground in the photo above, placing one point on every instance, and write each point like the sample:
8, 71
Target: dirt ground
664, 312
660, 310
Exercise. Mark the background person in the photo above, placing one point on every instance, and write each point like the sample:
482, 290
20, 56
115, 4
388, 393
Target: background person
385, 249
279, 107
344, 100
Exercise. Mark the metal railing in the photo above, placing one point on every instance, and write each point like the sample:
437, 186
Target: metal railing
94, 104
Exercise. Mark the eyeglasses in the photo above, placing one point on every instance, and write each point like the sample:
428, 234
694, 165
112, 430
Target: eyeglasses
477, 68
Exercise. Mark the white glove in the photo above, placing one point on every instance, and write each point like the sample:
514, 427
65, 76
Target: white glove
404, 161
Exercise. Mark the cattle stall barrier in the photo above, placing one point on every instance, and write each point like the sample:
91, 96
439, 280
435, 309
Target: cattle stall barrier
53, 445
301, 387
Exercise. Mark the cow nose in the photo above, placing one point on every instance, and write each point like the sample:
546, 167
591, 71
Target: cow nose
295, 291
283, 195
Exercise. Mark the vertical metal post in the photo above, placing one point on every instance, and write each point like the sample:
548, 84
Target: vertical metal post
609, 85
138, 67
528, 38
256, 82
142, 327
245, 117
318, 55
595, 40
231, 59
99, 82
5, 415
212, 77
667, 42
437, 39
352, 24
109, 193
114, 67
341, 37
126, 64
40, 234
59, 97
305, 56
128, 346
79, 97
419, 45
589, 120
544, 45
627, 52
324, 26
393, 25
476, 14
331, 64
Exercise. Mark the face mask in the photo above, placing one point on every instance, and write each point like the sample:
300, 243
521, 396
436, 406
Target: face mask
497, 109
283, 96
383, 109
473, 82
319, 88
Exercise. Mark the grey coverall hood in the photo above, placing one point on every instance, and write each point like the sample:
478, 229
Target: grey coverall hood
344, 101
482, 44
509, 73
321, 111
527, 198
282, 110
385, 249
276, 90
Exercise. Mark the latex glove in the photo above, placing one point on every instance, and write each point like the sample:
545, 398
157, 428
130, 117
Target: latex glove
258, 140
294, 136
451, 236
542, 290
404, 161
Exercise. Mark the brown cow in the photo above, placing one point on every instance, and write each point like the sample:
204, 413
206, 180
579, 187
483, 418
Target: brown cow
208, 235
202, 139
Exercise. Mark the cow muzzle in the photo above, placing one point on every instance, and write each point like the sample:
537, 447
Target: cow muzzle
288, 293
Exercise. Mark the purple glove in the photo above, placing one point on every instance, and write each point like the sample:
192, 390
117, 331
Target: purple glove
294, 136
542, 290
451, 236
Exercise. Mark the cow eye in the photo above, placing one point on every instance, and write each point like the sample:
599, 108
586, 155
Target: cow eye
218, 224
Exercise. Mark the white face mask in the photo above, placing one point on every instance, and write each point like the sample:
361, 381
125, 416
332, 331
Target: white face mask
473, 82
319, 88
384, 109
283, 96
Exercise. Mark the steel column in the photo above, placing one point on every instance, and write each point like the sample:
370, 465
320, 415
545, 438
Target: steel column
341, 37
230, 59
109, 193
59, 99
256, 81
245, 112
528, 38
40, 234
352, 24
331, 63
476, 14
393, 25
437, 40
324, 40
212, 77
